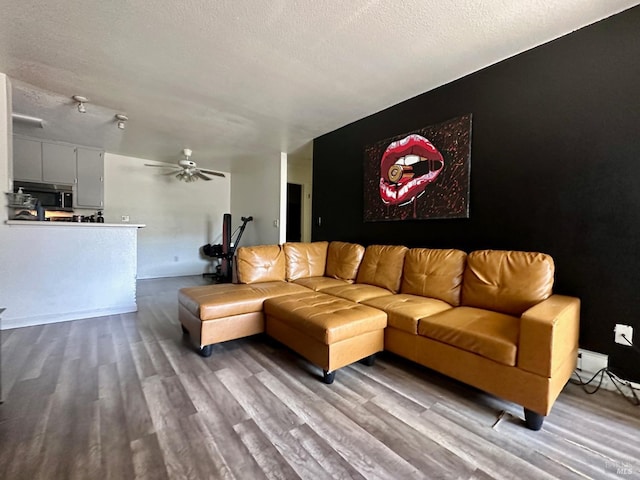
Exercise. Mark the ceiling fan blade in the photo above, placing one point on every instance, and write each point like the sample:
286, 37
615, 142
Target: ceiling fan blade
211, 172
201, 175
168, 165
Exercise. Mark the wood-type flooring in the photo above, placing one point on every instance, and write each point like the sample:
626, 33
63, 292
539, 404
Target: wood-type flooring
125, 397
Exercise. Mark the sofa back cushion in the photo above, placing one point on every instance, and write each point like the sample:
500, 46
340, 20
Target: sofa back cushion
305, 260
343, 260
262, 263
434, 273
506, 281
382, 266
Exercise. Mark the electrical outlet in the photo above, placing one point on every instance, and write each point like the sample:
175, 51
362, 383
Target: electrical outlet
627, 331
125, 218
276, 223
579, 361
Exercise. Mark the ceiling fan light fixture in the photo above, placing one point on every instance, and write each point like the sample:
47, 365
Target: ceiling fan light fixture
81, 103
187, 170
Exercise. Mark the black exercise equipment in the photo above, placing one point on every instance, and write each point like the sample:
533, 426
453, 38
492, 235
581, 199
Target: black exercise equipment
224, 251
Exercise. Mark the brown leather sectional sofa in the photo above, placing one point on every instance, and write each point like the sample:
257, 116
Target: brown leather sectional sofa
487, 318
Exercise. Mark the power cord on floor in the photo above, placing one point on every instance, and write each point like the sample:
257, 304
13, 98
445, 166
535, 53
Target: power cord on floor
615, 380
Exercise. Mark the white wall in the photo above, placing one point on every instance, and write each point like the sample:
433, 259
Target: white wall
180, 217
6, 251
5, 144
256, 191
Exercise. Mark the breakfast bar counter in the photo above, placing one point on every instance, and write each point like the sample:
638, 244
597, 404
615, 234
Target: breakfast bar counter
33, 223
59, 271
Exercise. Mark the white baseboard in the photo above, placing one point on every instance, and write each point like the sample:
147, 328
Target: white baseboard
6, 324
591, 362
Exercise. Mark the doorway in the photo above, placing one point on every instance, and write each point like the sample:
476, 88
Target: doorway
294, 212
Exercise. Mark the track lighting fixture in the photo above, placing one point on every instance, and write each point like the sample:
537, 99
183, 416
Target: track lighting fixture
122, 120
81, 101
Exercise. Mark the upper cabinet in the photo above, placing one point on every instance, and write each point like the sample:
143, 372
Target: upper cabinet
58, 163
90, 189
37, 161
27, 159
47, 162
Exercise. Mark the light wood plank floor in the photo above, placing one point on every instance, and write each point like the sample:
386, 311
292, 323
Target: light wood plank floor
125, 397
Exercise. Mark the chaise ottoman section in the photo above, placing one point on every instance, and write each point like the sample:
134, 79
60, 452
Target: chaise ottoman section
328, 331
217, 313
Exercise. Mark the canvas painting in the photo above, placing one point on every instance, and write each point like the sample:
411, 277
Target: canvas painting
419, 175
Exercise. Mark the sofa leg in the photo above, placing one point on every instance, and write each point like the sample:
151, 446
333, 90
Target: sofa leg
205, 351
328, 378
533, 420
184, 330
370, 360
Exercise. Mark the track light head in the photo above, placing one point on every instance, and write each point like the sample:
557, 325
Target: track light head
81, 101
122, 120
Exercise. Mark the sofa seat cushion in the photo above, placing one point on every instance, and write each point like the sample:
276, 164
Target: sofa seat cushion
218, 301
325, 318
320, 283
403, 311
489, 334
357, 292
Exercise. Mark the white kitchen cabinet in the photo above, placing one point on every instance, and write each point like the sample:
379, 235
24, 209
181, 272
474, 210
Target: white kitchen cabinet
27, 159
45, 162
90, 170
58, 163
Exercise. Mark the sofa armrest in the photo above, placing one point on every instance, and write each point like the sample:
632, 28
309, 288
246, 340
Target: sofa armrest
549, 334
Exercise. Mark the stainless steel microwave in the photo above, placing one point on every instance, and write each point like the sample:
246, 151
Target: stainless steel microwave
51, 196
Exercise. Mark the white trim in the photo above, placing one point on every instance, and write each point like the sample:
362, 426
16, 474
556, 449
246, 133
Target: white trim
282, 231
67, 316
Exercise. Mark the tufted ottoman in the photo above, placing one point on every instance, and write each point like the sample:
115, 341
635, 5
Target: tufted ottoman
328, 331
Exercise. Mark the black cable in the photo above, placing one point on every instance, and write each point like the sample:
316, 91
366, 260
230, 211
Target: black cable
629, 342
615, 380
584, 384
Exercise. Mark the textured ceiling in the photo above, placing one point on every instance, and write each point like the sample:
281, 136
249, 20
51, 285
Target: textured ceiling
238, 78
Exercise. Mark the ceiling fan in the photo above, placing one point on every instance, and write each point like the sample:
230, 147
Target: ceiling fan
186, 169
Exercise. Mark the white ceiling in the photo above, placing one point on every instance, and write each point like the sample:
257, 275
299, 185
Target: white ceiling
238, 78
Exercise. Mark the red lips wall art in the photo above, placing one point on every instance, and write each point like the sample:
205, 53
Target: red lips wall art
421, 175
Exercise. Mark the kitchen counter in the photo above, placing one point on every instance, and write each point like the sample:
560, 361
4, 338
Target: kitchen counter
60, 271
34, 223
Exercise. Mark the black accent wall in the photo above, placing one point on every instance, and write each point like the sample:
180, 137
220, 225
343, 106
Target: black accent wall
555, 167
